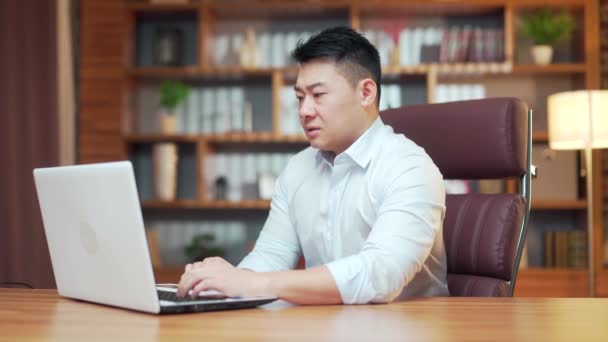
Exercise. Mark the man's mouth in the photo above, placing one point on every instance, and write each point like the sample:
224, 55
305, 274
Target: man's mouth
311, 132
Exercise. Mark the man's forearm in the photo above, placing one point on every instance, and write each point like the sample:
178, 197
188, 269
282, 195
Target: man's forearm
310, 286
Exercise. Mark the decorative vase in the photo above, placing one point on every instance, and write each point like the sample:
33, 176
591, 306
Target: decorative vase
164, 158
167, 123
542, 54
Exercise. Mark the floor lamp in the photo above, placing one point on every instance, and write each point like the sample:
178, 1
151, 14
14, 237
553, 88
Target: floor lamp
578, 120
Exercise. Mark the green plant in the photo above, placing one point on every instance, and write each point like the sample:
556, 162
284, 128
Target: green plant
200, 247
547, 27
172, 94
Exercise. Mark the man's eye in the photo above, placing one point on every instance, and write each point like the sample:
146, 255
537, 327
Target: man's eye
299, 98
317, 95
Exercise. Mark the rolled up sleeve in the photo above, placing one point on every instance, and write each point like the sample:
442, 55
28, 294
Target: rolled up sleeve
410, 216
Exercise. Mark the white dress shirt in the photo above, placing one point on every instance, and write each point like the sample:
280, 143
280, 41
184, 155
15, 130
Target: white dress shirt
373, 215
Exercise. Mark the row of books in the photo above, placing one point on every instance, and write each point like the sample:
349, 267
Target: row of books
455, 44
565, 249
213, 110
415, 45
459, 92
242, 172
391, 96
270, 49
206, 110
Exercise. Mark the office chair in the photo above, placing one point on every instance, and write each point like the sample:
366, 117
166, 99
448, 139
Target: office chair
477, 139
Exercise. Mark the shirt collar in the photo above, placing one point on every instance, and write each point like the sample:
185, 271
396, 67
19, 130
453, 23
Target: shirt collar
361, 150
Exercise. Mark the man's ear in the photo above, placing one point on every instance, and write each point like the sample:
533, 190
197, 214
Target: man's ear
368, 90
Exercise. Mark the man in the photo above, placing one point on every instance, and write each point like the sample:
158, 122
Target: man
363, 205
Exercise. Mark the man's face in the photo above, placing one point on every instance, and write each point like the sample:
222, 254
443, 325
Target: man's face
331, 111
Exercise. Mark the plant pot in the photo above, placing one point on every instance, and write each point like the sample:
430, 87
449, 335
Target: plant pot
168, 123
164, 158
541, 54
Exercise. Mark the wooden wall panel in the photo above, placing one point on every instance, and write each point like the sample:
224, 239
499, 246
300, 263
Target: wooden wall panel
603, 14
102, 79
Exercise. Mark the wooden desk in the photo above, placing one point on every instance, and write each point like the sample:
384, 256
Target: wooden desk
43, 315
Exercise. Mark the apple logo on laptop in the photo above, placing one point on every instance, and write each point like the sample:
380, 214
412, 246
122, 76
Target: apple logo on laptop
88, 238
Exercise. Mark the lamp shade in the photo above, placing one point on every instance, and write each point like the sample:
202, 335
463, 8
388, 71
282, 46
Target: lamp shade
578, 119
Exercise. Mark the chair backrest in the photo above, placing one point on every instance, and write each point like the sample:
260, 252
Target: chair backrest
477, 139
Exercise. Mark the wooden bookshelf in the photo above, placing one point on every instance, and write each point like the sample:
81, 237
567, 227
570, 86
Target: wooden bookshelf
224, 138
558, 68
154, 138
171, 72
143, 6
259, 138
109, 79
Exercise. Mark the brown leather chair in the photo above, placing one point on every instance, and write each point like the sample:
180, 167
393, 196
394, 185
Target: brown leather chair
477, 139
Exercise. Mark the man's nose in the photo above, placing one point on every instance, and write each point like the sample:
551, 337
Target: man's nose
307, 109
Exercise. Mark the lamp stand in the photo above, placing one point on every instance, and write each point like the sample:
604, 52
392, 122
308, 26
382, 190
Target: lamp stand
590, 255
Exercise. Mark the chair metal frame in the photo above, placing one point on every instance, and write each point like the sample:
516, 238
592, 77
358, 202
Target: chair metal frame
525, 190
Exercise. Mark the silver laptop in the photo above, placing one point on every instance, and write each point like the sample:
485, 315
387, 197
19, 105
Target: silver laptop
96, 237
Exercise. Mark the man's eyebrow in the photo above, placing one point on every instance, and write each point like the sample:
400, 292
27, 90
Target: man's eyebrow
309, 87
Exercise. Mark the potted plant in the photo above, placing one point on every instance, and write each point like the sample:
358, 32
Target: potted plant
201, 247
172, 94
546, 28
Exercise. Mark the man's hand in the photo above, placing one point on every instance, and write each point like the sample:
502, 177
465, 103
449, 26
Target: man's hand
217, 274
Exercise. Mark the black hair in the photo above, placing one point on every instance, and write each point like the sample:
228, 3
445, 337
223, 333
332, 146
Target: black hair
354, 55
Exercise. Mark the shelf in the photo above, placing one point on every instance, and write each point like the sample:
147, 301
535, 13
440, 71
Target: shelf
198, 72
391, 8
194, 204
405, 70
237, 70
145, 6
260, 138
153, 138
192, 71
450, 69
558, 68
224, 138
279, 9
551, 271
559, 204
173, 72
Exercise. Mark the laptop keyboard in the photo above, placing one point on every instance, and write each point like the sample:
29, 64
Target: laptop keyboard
172, 297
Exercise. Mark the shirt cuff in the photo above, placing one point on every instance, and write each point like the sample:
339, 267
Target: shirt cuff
249, 262
344, 271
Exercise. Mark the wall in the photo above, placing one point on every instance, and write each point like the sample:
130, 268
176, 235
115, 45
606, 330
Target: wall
28, 135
